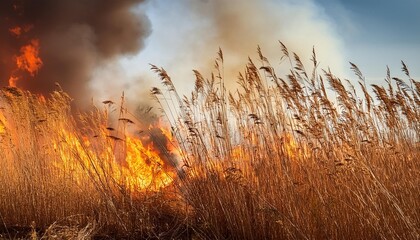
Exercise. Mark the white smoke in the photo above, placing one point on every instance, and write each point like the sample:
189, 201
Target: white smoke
188, 33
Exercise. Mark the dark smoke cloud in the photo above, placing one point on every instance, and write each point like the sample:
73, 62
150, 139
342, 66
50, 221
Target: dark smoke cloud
75, 38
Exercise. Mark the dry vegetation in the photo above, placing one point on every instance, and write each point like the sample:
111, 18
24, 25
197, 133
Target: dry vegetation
307, 156
76, 177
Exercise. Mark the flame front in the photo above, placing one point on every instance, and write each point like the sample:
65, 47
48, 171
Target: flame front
145, 167
142, 169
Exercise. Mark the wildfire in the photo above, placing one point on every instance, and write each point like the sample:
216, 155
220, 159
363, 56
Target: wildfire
91, 153
145, 167
142, 169
28, 60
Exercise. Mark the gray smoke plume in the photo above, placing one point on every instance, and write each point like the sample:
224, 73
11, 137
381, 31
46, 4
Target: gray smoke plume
75, 37
238, 27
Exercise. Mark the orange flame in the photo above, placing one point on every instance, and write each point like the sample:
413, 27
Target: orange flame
143, 168
28, 60
12, 81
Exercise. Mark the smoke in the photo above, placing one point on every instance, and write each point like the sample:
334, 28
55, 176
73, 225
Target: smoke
76, 37
189, 36
92, 48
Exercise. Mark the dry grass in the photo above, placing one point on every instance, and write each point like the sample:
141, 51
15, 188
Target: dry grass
72, 177
277, 158
280, 158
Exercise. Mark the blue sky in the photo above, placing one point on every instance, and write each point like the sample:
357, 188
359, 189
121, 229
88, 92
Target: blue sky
378, 33
187, 33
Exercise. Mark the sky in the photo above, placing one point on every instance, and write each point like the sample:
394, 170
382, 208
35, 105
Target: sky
186, 35
378, 33
98, 49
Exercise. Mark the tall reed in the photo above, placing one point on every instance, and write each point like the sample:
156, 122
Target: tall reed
280, 158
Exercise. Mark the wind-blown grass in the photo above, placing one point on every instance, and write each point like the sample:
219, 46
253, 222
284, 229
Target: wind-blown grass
69, 176
280, 158
297, 155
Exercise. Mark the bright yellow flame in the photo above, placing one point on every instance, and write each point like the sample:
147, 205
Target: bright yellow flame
143, 167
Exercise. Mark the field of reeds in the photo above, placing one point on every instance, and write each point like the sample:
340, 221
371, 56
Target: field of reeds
301, 154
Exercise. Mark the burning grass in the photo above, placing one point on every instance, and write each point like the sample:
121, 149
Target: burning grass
277, 159
56, 166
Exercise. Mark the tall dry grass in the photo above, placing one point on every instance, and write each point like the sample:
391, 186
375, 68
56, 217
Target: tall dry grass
304, 156
301, 155
62, 174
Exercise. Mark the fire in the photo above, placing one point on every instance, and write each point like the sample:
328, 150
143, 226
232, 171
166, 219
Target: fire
12, 81
85, 150
142, 169
145, 167
28, 59
16, 31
